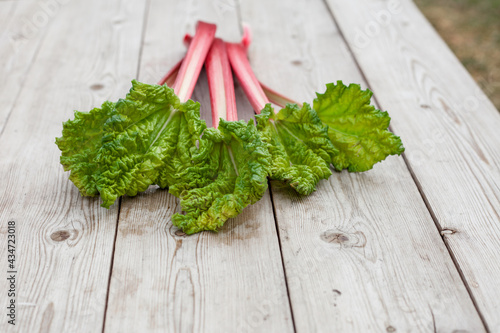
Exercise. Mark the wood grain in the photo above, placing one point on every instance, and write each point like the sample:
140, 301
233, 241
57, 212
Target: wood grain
64, 241
164, 281
23, 26
362, 254
449, 127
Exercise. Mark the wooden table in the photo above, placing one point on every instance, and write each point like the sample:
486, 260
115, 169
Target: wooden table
412, 245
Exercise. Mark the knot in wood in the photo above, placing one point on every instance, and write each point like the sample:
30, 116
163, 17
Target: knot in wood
448, 231
344, 239
97, 86
180, 233
60, 235
335, 237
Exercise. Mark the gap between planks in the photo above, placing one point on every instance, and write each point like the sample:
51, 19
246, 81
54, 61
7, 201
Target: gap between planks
111, 265
143, 35
271, 196
440, 230
410, 170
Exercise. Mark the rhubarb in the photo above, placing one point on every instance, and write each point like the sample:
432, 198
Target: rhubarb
295, 137
237, 163
246, 77
356, 128
234, 159
144, 139
190, 68
155, 136
299, 145
220, 83
272, 95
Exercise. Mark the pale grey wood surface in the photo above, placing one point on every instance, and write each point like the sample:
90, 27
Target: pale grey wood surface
362, 253
450, 129
64, 242
164, 281
23, 25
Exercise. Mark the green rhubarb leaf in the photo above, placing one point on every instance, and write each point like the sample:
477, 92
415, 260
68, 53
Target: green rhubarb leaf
357, 129
79, 144
299, 144
124, 147
234, 175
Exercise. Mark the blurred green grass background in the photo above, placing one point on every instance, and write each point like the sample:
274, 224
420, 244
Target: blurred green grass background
472, 30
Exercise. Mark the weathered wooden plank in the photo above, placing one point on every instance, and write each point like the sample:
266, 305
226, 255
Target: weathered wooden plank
449, 127
23, 25
361, 254
163, 281
64, 242
6, 10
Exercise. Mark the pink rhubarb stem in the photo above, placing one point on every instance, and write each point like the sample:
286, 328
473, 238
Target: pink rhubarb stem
220, 83
190, 68
246, 77
246, 39
274, 96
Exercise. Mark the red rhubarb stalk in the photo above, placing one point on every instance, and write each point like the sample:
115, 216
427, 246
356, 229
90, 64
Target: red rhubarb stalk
246, 40
272, 95
246, 77
220, 83
190, 68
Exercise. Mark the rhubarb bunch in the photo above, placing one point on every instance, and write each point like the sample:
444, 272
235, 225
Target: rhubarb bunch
155, 136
